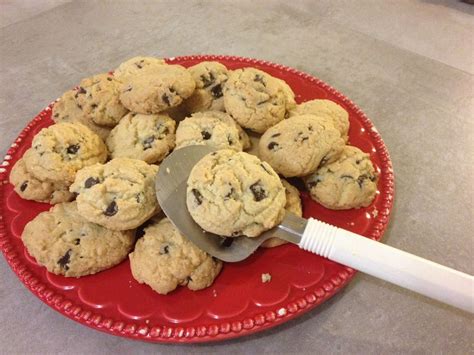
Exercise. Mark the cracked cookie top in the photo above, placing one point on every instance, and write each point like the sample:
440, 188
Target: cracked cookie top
202, 129
348, 182
134, 66
255, 99
118, 195
210, 78
296, 146
164, 259
67, 244
31, 188
98, 98
327, 109
233, 194
157, 88
68, 109
60, 150
144, 137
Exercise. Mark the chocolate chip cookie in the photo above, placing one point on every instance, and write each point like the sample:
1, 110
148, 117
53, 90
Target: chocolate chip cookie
210, 78
296, 146
227, 119
118, 195
255, 99
327, 109
144, 137
208, 130
29, 187
134, 66
60, 150
234, 194
68, 109
164, 260
349, 182
98, 98
157, 88
67, 244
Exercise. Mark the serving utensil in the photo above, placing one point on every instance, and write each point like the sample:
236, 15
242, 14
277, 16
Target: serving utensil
387, 263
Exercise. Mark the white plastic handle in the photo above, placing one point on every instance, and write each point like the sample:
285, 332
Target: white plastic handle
398, 267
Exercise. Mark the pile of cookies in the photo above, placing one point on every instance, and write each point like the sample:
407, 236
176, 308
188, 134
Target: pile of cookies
99, 161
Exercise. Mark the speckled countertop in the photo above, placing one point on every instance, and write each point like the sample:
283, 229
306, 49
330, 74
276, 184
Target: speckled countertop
408, 64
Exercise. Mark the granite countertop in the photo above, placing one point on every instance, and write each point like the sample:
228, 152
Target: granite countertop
409, 65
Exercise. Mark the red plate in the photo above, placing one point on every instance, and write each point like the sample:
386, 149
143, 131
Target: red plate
238, 303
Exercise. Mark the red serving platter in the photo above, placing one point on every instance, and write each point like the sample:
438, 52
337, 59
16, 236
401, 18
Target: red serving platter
238, 303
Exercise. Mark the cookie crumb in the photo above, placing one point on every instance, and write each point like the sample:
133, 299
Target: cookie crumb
147, 321
168, 170
214, 293
266, 278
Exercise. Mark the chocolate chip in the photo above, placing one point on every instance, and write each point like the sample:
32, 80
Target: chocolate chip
273, 145
79, 106
164, 250
208, 82
81, 90
230, 193
310, 128
360, 180
160, 127
24, 186
258, 78
91, 182
165, 99
358, 161
197, 196
140, 232
56, 115
138, 198
230, 141
138, 66
275, 135
300, 137
227, 242
258, 191
109, 79
77, 241
206, 135
313, 183
111, 209
216, 91
372, 178
94, 105
147, 142
64, 260
73, 148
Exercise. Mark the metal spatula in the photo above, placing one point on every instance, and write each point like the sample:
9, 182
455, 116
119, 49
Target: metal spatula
347, 248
